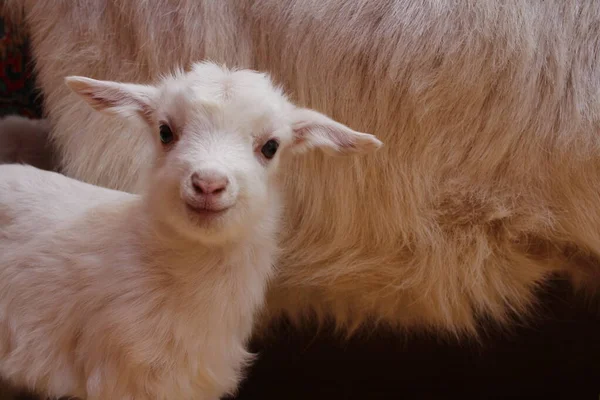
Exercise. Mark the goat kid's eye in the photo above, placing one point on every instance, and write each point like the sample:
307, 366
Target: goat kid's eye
166, 135
270, 148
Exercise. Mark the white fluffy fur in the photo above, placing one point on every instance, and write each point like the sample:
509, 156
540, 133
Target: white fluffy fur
490, 111
111, 295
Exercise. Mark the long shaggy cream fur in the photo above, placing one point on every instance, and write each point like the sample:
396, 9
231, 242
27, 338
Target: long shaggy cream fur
490, 111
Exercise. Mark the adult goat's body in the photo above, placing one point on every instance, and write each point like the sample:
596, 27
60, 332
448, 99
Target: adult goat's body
489, 112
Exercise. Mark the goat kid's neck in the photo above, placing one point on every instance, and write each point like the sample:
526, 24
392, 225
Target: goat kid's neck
190, 259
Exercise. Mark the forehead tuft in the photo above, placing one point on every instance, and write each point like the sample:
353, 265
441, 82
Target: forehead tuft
238, 100
212, 84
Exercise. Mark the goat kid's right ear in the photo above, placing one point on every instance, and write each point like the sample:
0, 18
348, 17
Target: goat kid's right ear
115, 98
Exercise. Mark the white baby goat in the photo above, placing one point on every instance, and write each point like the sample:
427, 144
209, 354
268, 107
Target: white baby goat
109, 295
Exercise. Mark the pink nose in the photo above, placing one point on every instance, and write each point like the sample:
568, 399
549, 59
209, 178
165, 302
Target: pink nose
209, 183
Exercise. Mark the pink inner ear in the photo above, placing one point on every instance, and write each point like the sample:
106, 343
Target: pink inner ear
114, 98
342, 139
104, 102
337, 137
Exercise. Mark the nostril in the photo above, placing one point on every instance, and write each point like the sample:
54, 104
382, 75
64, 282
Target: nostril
209, 184
197, 185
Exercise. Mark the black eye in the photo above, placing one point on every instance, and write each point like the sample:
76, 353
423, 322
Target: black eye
166, 135
270, 148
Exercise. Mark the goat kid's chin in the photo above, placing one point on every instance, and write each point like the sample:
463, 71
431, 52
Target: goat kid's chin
213, 225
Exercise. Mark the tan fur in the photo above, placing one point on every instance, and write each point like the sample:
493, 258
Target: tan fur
490, 111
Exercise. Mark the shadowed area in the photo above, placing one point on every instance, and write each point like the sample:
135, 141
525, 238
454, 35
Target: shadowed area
556, 357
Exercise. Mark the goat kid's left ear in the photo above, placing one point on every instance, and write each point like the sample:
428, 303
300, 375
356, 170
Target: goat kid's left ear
313, 129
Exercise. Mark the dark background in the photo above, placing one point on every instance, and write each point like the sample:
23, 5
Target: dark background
556, 356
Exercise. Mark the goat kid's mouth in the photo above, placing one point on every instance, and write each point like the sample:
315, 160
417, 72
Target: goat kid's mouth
206, 212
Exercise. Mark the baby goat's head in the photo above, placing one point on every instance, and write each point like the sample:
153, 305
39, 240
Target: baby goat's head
220, 134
